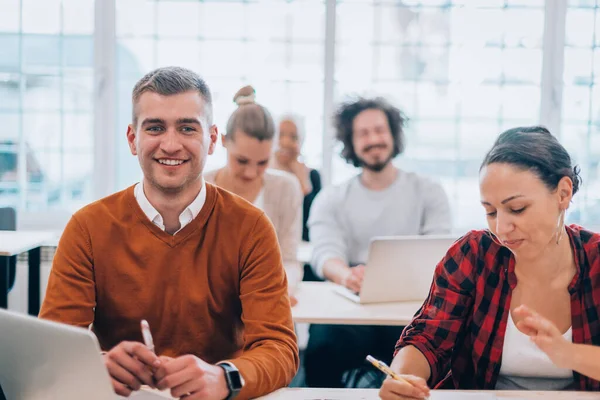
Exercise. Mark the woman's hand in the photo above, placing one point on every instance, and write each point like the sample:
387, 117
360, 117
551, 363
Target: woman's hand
545, 335
302, 172
412, 387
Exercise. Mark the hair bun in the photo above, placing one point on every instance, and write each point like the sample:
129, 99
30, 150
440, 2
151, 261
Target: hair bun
576, 178
246, 95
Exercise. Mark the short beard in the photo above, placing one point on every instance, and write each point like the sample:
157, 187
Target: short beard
376, 167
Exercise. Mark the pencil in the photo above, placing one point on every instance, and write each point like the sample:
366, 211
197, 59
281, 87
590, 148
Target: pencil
380, 365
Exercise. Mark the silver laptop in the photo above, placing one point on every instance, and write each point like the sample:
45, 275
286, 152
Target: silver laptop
400, 268
43, 360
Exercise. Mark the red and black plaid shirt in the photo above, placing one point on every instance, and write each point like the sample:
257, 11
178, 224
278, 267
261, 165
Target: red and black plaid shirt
460, 328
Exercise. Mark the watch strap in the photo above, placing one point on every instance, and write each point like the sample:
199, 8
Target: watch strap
230, 369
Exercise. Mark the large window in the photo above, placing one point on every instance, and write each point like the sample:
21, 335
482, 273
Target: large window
461, 70
276, 46
580, 127
46, 80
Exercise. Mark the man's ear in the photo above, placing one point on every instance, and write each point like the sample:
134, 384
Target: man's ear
131, 136
213, 136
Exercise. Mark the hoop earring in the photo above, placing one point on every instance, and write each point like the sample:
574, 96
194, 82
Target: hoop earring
560, 226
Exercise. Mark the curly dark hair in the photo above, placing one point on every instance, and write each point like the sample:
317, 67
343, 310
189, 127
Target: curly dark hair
344, 118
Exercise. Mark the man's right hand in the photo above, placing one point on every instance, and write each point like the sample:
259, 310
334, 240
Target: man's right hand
130, 364
354, 279
412, 387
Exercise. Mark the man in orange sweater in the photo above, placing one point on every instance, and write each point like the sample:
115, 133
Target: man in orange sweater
202, 265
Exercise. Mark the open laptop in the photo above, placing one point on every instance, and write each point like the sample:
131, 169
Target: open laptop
400, 268
43, 360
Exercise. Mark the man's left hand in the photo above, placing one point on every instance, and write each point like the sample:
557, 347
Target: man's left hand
190, 377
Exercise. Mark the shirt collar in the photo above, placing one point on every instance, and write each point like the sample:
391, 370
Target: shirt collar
187, 216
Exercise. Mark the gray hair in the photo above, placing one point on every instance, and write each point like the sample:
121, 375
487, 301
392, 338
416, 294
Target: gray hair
169, 81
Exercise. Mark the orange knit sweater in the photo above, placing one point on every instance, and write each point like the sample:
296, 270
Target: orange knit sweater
216, 289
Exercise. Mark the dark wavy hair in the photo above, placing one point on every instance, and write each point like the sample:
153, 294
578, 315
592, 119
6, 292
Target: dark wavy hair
535, 149
344, 117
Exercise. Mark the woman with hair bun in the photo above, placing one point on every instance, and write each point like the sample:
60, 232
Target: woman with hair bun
248, 140
515, 306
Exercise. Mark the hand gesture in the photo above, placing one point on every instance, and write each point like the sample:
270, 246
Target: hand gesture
302, 172
545, 335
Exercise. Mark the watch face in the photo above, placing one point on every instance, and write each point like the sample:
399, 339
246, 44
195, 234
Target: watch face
235, 379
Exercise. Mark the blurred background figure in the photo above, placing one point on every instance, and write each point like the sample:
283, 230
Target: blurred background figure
288, 157
248, 140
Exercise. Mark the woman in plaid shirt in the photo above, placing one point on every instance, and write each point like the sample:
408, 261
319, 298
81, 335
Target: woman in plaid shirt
529, 275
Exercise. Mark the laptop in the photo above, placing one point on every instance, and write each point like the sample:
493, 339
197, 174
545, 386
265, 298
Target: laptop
43, 360
399, 268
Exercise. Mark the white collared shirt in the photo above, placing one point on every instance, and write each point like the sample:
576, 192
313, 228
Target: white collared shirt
186, 216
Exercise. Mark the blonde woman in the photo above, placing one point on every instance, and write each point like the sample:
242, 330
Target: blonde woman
249, 143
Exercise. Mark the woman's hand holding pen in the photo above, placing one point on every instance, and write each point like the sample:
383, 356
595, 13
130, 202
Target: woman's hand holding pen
410, 387
127, 365
398, 386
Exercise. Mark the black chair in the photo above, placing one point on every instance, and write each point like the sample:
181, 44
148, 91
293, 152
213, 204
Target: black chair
8, 222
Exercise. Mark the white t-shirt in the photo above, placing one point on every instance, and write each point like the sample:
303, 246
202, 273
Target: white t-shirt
526, 367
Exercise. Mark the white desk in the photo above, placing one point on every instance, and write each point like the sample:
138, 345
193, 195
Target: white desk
319, 304
13, 243
372, 394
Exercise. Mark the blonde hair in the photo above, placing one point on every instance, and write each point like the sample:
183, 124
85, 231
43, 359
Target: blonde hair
250, 117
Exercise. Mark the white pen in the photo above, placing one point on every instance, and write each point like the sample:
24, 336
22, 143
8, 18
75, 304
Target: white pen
148, 341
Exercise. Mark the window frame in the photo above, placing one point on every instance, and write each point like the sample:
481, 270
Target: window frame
105, 114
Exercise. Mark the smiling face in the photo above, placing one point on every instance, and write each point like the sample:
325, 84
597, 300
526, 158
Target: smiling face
372, 139
522, 212
172, 139
247, 157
